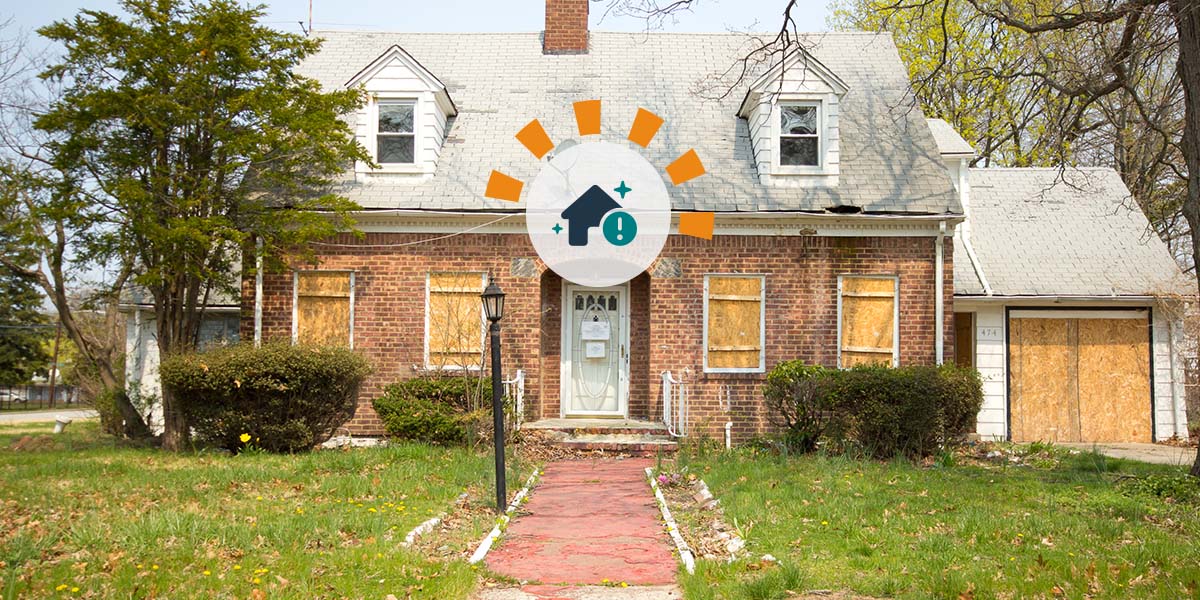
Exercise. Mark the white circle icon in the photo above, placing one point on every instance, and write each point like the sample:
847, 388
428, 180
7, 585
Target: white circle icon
598, 214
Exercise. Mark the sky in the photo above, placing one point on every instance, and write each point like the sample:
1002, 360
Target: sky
463, 15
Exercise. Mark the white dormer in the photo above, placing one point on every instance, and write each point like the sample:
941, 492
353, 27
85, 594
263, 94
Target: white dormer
792, 113
403, 124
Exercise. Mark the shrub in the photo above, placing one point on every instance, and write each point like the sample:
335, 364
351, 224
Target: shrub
796, 405
1179, 488
288, 398
436, 409
909, 411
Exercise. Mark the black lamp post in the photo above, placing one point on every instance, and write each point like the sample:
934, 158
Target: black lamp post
493, 307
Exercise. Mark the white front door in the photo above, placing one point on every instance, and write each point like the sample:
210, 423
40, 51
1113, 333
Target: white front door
595, 353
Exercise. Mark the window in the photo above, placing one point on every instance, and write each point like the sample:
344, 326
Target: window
323, 308
395, 142
454, 324
733, 323
799, 135
867, 320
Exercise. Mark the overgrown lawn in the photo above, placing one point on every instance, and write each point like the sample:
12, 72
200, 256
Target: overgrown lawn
90, 517
1059, 529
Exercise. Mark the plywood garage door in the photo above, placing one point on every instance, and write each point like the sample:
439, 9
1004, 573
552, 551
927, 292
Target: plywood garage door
1080, 379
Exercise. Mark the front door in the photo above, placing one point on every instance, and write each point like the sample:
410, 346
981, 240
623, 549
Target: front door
595, 353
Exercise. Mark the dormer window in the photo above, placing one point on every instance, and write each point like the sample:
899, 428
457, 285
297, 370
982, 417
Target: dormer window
395, 139
800, 134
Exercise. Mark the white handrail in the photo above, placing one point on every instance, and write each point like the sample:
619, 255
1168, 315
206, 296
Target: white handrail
675, 405
515, 388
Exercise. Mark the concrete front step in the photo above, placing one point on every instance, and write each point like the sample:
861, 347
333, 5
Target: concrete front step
637, 438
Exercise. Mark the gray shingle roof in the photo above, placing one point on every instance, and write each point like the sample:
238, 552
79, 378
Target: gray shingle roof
1073, 232
947, 138
499, 82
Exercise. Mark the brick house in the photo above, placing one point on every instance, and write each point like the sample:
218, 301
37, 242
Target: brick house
835, 232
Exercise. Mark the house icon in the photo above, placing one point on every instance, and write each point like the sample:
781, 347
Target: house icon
585, 213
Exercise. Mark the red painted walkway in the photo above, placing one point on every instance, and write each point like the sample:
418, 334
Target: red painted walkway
589, 521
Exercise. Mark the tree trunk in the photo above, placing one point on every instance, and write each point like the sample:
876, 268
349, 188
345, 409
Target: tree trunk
1187, 24
176, 431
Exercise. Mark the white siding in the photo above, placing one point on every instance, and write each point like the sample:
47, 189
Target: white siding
141, 367
991, 361
1170, 415
396, 80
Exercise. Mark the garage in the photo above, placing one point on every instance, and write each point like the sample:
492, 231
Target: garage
1080, 375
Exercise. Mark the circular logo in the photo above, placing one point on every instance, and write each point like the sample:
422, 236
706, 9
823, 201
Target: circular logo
598, 214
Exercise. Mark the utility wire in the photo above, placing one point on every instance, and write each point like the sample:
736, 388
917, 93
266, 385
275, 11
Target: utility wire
417, 242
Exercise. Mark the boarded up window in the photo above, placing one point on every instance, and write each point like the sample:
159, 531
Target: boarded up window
455, 331
734, 334
323, 308
868, 321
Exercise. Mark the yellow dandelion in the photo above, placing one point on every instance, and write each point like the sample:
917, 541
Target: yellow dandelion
237, 567
824, 522
207, 572
258, 498
154, 567
75, 590
245, 437
372, 509
61, 587
256, 581
605, 580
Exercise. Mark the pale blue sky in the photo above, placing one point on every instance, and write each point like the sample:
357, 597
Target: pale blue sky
463, 15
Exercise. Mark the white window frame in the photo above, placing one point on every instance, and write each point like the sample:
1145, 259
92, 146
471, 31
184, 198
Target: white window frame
373, 133
482, 323
762, 325
777, 136
895, 278
296, 301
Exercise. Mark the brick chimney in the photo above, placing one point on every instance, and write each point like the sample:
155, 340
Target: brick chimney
566, 27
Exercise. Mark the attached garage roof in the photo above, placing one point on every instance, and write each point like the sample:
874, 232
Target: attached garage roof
1061, 232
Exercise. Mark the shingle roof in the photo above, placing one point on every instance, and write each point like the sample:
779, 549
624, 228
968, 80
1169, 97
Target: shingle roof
1072, 232
499, 82
947, 138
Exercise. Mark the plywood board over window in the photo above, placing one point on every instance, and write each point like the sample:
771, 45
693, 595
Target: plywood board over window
454, 321
867, 320
733, 323
324, 308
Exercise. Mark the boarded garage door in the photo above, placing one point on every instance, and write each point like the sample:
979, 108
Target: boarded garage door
1079, 376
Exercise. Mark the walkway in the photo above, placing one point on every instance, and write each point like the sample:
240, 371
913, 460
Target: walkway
588, 522
1151, 453
45, 416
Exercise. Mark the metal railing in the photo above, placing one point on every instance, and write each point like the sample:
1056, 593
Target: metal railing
514, 389
675, 404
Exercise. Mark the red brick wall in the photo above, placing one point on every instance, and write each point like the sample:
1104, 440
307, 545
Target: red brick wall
666, 313
566, 27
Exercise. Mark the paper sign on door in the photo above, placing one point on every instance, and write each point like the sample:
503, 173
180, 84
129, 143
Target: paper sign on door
593, 350
594, 330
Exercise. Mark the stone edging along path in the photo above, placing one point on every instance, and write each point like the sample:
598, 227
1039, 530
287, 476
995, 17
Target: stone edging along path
685, 553
502, 522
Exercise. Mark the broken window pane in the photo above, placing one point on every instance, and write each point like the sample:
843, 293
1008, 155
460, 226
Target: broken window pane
798, 151
396, 118
395, 149
798, 120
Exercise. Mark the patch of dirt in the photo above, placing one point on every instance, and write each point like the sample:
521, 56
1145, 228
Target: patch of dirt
1178, 442
538, 446
30, 443
701, 520
459, 532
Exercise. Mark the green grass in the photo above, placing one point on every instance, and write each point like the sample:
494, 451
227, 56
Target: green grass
94, 518
898, 530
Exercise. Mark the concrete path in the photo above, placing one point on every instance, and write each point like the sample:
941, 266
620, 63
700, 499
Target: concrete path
46, 416
1151, 453
589, 522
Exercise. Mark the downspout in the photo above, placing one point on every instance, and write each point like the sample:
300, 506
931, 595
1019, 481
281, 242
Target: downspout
964, 196
1176, 409
940, 294
258, 291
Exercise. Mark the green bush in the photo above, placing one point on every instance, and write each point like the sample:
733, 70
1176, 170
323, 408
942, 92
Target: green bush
1179, 488
287, 397
436, 409
796, 405
911, 411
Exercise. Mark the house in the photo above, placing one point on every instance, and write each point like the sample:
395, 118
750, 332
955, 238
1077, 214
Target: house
1067, 303
814, 215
